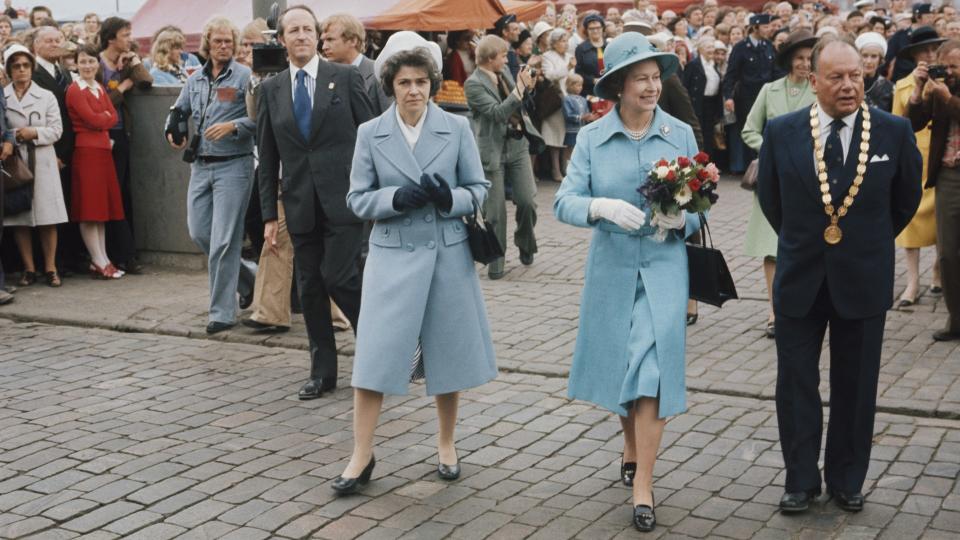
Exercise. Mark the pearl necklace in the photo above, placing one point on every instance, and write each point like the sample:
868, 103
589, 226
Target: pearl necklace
637, 135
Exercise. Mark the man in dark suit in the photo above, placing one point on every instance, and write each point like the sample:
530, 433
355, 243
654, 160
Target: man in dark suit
702, 82
51, 76
749, 68
835, 264
343, 40
307, 119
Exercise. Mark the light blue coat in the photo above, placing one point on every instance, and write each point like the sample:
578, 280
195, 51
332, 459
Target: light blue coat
419, 279
607, 163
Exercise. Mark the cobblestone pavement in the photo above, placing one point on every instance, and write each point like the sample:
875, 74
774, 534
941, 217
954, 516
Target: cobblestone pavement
533, 312
104, 434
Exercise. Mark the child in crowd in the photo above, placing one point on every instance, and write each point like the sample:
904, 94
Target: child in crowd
576, 113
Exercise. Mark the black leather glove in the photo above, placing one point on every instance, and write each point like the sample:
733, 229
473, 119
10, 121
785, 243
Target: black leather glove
410, 197
439, 191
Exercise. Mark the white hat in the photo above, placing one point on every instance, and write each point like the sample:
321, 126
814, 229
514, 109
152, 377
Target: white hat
868, 39
539, 29
16, 48
406, 40
638, 26
903, 16
660, 40
719, 45
863, 3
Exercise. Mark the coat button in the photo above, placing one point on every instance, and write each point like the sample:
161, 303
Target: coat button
407, 222
428, 218
386, 231
456, 227
431, 244
409, 247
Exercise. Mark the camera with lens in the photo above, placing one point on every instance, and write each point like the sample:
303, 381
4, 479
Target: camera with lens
937, 71
190, 154
176, 126
271, 57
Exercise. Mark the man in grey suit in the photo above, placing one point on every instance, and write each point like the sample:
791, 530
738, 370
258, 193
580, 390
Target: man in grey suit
307, 119
343, 39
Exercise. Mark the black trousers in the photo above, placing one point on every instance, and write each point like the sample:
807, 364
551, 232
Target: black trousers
121, 247
326, 265
855, 347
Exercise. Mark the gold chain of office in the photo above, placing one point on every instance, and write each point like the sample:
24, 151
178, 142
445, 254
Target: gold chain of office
832, 234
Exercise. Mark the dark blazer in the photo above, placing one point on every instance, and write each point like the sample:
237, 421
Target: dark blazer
317, 170
941, 114
858, 270
749, 68
378, 100
43, 79
692, 84
588, 66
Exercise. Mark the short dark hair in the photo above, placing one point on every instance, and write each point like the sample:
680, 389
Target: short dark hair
37, 9
316, 22
89, 49
109, 29
419, 58
823, 43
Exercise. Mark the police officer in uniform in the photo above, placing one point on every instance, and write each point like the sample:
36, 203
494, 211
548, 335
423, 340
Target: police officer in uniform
750, 66
922, 16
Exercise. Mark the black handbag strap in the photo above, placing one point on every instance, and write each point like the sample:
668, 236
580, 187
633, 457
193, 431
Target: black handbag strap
478, 214
704, 226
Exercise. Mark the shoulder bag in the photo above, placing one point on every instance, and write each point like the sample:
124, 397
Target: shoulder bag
16, 173
710, 279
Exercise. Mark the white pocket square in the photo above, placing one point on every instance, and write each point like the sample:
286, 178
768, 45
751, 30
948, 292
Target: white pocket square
879, 159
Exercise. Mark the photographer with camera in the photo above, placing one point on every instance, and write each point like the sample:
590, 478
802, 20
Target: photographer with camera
937, 105
220, 153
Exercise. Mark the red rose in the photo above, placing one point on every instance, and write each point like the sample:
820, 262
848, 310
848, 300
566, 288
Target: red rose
683, 162
703, 175
695, 184
702, 158
663, 163
671, 176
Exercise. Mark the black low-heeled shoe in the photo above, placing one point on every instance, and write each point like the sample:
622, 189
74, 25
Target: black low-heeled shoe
349, 486
627, 471
449, 472
644, 518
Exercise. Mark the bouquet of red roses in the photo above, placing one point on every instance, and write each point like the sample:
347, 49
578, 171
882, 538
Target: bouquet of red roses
682, 185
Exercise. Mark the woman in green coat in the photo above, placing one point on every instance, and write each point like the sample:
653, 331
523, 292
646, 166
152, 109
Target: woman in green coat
778, 97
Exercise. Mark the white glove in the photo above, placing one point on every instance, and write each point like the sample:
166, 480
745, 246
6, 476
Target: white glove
619, 212
676, 221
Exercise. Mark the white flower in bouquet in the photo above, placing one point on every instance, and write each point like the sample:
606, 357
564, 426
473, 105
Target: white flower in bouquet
662, 172
684, 195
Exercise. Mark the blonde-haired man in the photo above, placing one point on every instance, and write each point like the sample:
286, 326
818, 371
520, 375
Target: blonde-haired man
342, 40
221, 176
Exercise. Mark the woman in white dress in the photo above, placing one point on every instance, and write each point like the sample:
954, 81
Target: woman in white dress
557, 64
33, 114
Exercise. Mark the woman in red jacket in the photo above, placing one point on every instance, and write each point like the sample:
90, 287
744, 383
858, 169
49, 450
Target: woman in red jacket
96, 193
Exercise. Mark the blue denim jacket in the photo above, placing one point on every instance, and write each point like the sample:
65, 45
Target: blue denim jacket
221, 100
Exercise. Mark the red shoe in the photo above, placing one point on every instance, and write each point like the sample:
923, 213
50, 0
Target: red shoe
107, 272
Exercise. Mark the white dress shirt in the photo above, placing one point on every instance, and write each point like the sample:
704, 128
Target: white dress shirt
95, 87
713, 78
411, 133
846, 132
310, 81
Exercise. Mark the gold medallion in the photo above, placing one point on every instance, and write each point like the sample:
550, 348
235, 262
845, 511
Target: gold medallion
832, 234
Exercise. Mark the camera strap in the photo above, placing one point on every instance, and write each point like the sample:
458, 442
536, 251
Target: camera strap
206, 106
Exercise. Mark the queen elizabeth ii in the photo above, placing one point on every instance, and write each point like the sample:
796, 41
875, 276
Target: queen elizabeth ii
629, 356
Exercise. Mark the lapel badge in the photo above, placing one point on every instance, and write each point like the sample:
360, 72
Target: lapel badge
665, 130
330, 86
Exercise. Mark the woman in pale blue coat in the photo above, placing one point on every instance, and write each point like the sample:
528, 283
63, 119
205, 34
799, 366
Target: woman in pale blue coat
629, 356
416, 172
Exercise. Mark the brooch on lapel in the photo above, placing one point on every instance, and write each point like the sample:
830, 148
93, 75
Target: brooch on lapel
665, 130
330, 86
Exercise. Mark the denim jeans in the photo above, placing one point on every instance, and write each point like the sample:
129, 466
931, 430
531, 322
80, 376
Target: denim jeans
216, 203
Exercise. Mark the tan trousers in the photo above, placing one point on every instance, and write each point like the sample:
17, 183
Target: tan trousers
271, 293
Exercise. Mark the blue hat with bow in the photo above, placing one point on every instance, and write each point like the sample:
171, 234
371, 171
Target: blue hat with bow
625, 50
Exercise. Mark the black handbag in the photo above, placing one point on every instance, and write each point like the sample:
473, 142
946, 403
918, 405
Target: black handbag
482, 238
18, 200
710, 279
